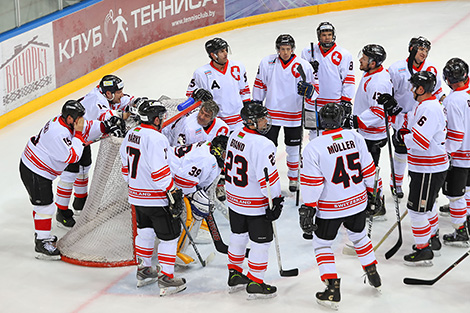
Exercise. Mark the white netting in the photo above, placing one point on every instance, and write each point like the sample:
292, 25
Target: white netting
104, 233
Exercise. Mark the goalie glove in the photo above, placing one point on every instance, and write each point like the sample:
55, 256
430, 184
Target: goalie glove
114, 126
306, 214
175, 202
273, 213
305, 89
202, 95
390, 104
201, 205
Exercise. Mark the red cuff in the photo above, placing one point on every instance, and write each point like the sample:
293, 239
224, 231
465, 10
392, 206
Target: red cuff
79, 135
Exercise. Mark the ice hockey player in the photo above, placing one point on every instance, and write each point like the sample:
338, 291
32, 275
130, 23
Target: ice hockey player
104, 101
424, 135
225, 80
158, 203
334, 70
276, 82
336, 176
400, 72
58, 144
248, 153
457, 185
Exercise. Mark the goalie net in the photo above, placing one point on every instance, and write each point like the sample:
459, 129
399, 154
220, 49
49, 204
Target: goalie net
104, 233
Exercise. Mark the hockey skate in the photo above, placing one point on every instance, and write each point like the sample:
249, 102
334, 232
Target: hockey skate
434, 243
78, 204
169, 286
444, 210
46, 248
459, 238
236, 281
331, 296
65, 218
420, 257
293, 186
147, 275
373, 276
260, 291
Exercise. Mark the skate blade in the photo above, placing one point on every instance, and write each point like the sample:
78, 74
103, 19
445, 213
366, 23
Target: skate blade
424, 263
260, 296
329, 304
76, 213
147, 281
380, 218
436, 252
42, 256
62, 226
237, 288
445, 214
167, 291
458, 244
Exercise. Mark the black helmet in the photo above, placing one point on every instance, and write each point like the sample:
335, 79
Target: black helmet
149, 110
252, 112
111, 83
425, 79
218, 147
419, 42
326, 27
331, 116
72, 108
375, 53
216, 44
285, 40
455, 70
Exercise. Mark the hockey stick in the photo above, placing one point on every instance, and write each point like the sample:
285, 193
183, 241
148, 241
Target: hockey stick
191, 241
397, 246
389, 231
283, 273
430, 282
297, 194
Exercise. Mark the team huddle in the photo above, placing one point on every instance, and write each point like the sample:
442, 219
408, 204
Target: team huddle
224, 152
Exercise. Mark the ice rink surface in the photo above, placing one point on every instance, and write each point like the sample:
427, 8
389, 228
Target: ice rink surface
30, 285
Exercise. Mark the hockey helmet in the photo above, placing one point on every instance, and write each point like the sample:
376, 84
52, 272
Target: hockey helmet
455, 70
417, 42
285, 40
252, 113
218, 148
111, 83
331, 116
149, 110
375, 53
72, 108
425, 79
216, 44
326, 27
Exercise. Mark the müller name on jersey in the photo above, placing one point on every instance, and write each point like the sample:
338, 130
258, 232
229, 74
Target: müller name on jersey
338, 147
237, 145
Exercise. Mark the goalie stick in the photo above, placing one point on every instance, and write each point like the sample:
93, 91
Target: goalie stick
282, 272
430, 282
203, 262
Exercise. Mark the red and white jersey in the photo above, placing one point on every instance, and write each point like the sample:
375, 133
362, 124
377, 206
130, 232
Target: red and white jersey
335, 73
57, 146
402, 87
337, 171
145, 166
426, 142
193, 165
457, 108
371, 114
248, 153
97, 107
229, 88
218, 127
276, 83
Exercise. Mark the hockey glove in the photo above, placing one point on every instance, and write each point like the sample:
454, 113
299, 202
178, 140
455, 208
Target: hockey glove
347, 107
202, 95
200, 204
114, 126
398, 136
305, 89
315, 65
351, 122
373, 204
389, 103
274, 213
306, 214
175, 202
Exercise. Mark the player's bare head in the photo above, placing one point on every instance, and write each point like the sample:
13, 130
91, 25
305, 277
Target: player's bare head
218, 148
371, 57
152, 112
211, 107
255, 116
112, 88
455, 71
331, 116
74, 109
217, 48
422, 83
326, 34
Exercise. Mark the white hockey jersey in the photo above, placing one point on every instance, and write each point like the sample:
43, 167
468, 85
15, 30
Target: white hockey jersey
371, 114
426, 142
335, 75
229, 88
97, 107
457, 108
193, 165
402, 87
248, 153
57, 146
337, 171
276, 83
145, 166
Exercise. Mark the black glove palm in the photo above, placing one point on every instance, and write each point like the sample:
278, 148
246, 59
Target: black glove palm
274, 213
115, 126
202, 95
176, 203
389, 103
306, 214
